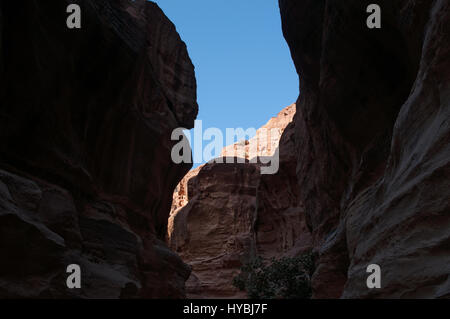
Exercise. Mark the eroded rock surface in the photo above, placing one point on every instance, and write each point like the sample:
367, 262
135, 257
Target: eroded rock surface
373, 143
86, 175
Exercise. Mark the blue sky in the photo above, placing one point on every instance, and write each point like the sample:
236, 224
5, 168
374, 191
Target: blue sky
244, 70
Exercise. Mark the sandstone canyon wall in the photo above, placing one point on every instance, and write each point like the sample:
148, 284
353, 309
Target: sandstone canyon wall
223, 214
85, 170
372, 142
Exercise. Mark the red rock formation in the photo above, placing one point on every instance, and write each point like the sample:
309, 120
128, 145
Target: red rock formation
372, 138
86, 175
281, 228
232, 213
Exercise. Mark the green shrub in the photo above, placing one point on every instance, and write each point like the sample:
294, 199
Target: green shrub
287, 278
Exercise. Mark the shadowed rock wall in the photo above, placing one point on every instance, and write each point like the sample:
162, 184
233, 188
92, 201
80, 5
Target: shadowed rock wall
85, 121
372, 139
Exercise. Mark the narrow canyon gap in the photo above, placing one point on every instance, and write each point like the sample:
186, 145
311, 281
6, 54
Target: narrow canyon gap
86, 175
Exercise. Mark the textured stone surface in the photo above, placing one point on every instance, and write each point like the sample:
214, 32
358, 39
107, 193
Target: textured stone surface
85, 123
372, 139
223, 214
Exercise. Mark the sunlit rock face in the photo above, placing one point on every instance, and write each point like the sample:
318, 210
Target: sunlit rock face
86, 175
266, 140
223, 214
372, 143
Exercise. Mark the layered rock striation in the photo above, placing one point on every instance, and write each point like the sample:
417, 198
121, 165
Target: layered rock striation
85, 170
